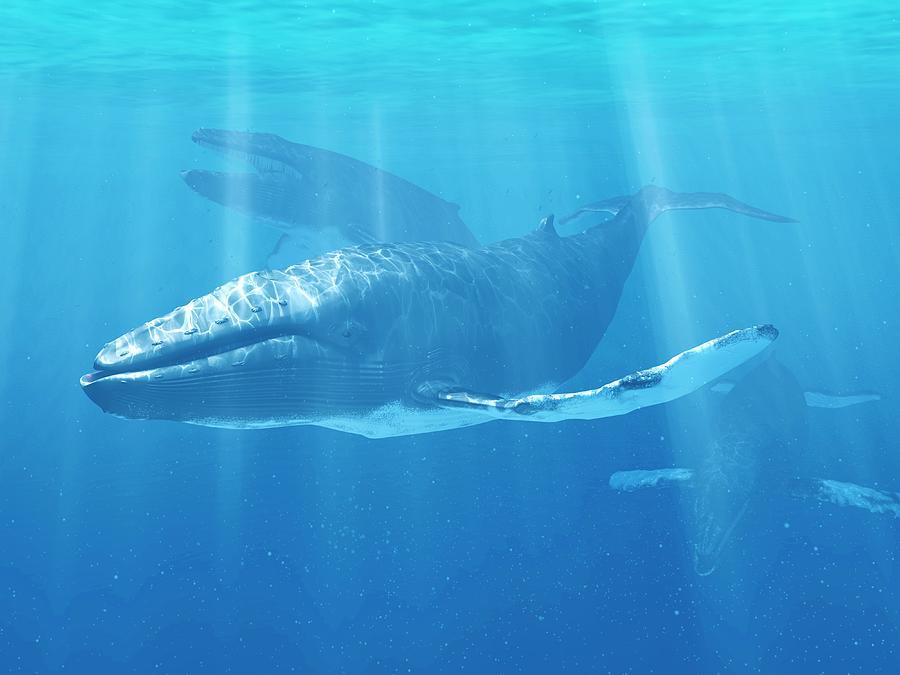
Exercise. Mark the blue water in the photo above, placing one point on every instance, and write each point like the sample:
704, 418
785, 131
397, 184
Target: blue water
132, 546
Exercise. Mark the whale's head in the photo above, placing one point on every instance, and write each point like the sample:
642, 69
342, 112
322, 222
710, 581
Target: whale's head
267, 349
761, 430
276, 191
725, 484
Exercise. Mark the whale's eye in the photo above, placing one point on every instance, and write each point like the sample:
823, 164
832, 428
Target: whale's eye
347, 332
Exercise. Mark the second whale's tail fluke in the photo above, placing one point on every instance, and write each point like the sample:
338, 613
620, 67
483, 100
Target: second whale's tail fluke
654, 200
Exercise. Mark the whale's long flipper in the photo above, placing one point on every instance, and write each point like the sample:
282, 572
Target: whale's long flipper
817, 489
658, 200
822, 399
848, 494
677, 377
638, 479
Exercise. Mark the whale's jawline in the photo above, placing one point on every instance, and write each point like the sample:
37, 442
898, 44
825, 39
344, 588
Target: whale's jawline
264, 158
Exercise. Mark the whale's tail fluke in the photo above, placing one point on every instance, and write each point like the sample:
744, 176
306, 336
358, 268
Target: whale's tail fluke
654, 200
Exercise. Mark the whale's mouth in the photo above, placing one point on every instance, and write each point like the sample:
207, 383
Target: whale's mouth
269, 193
93, 376
259, 351
236, 350
266, 153
710, 543
289, 379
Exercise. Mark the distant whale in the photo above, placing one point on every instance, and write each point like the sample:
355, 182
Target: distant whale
760, 433
316, 195
406, 338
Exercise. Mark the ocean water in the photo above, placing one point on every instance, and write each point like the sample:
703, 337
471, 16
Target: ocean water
141, 546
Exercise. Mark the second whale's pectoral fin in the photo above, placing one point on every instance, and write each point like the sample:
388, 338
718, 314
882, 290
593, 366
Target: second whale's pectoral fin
817, 399
359, 234
303, 244
847, 494
638, 479
722, 387
289, 250
680, 375
824, 399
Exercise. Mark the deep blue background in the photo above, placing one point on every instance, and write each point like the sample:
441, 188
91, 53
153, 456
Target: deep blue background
151, 547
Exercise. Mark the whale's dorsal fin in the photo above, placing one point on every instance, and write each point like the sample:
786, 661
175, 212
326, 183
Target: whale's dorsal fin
682, 374
546, 226
814, 489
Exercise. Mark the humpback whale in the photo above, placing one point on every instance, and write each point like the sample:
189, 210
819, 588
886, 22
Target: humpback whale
760, 432
317, 195
406, 338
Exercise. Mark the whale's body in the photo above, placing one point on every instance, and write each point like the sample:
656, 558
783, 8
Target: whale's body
759, 434
390, 339
321, 199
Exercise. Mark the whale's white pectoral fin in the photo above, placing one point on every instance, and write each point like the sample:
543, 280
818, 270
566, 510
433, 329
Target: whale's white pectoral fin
848, 494
722, 387
680, 375
822, 399
637, 479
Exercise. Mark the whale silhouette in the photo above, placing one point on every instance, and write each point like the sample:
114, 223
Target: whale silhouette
406, 338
